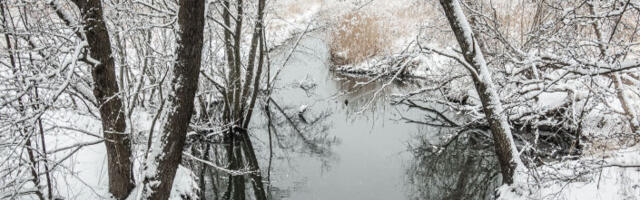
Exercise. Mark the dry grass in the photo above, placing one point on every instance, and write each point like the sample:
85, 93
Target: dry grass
294, 9
357, 37
290, 9
384, 26
380, 28
605, 145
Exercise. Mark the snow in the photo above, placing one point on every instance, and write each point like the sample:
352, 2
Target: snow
551, 100
508, 192
598, 180
611, 175
417, 66
84, 174
303, 108
184, 184
284, 24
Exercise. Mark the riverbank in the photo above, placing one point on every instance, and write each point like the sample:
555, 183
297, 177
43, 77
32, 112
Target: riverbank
377, 38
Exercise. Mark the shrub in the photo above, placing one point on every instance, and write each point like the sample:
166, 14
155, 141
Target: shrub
357, 37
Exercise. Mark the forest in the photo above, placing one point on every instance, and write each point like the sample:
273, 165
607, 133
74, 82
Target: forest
319, 99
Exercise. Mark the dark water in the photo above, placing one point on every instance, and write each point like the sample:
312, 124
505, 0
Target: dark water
351, 143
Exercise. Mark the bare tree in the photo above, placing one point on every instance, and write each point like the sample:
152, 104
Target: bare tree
474, 62
240, 91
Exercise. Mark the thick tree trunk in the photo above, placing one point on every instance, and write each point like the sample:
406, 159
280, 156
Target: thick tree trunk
106, 92
163, 162
505, 147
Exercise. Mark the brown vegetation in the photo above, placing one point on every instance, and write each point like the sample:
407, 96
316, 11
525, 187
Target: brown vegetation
358, 36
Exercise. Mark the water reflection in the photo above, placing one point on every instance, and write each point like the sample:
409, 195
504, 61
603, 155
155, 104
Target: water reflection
323, 135
363, 139
460, 168
328, 145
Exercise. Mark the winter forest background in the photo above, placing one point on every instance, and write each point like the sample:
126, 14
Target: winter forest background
319, 99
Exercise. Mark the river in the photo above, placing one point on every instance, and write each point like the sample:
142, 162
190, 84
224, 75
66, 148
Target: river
351, 143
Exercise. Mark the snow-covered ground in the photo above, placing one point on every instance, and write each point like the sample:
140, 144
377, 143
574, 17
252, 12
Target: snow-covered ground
83, 173
607, 175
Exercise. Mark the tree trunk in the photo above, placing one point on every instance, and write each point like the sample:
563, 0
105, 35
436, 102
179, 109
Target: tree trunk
163, 162
106, 92
627, 108
492, 107
203, 172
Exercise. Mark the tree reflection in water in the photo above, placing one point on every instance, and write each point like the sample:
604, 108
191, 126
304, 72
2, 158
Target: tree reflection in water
292, 133
296, 128
463, 167
295, 132
278, 133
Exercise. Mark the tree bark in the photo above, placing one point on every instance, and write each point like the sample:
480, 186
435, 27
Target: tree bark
106, 92
162, 164
504, 145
